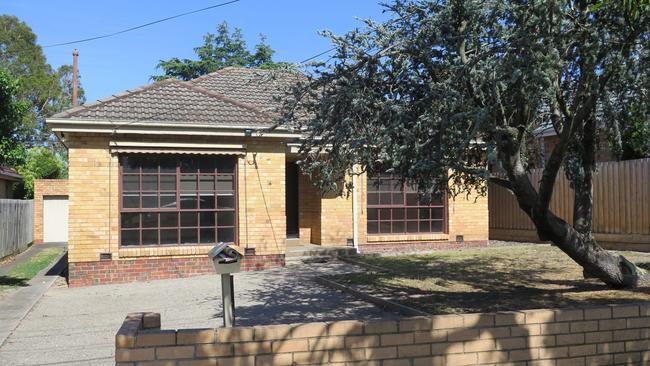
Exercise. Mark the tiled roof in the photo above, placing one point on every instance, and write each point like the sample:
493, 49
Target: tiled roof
7, 173
171, 101
256, 87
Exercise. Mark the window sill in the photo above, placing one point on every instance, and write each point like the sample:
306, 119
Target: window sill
373, 238
164, 251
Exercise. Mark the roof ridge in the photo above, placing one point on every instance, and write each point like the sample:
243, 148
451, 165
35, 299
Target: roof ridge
113, 97
222, 97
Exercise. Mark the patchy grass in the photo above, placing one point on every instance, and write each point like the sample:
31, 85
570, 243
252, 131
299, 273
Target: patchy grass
491, 279
22, 273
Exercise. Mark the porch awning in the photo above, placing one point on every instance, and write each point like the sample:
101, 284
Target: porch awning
139, 147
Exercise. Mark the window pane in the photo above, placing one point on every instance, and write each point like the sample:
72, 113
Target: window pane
188, 201
150, 219
149, 164
226, 218
411, 226
384, 198
411, 199
189, 165
436, 226
384, 227
436, 199
373, 198
373, 214
225, 183
149, 182
188, 182
169, 236
226, 165
189, 219
207, 164
207, 236
206, 182
384, 214
225, 201
207, 201
425, 226
168, 200
398, 199
437, 213
373, 184
207, 219
424, 213
167, 182
149, 200
398, 214
167, 164
372, 227
130, 220
168, 219
189, 236
149, 237
226, 235
411, 213
130, 182
131, 200
130, 237
398, 226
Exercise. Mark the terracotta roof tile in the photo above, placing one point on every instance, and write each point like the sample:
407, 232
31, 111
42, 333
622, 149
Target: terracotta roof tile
171, 101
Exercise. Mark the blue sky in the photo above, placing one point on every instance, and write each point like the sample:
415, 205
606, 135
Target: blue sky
125, 61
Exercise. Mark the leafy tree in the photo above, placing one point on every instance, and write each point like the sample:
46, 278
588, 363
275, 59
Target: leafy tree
219, 50
12, 115
445, 91
47, 90
41, 163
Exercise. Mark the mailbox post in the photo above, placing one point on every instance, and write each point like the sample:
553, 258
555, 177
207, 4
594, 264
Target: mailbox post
226, 261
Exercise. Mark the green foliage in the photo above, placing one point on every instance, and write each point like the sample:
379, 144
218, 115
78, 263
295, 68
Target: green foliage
448, 84
41, 163
47, 91
219, 50
12, 115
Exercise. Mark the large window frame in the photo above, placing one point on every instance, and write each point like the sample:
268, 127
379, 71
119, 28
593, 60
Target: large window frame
394, 208
182, 168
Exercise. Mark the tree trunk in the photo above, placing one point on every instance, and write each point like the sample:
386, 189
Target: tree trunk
615, 270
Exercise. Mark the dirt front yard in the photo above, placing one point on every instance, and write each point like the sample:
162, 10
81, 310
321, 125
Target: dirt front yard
490, 279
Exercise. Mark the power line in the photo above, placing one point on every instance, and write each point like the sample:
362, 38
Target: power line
141, 26
320, 54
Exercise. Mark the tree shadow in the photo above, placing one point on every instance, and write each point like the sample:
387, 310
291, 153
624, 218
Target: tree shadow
13, 281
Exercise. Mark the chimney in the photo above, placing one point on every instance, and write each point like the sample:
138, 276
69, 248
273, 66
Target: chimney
75, 76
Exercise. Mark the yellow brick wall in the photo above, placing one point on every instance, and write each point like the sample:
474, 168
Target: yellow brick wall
336, 219
94, 200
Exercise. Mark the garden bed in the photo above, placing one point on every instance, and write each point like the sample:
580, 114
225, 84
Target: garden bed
487, 280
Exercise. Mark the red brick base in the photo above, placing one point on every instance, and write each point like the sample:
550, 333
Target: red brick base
405, 247
147, 269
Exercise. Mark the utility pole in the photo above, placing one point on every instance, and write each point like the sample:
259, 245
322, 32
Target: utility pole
75, 76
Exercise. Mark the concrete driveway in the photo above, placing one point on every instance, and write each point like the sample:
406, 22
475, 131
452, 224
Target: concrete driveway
76, 326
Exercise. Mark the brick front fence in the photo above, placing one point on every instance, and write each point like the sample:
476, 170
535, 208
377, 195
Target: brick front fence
604, 335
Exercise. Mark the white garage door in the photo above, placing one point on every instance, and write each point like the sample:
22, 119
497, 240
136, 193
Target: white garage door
55, 219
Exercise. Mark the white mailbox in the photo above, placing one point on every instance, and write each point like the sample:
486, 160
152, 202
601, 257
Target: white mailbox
226, 261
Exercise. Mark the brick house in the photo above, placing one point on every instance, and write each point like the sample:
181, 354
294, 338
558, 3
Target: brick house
158, 174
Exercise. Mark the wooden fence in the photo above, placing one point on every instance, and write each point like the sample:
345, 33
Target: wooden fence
621, 207
16, 225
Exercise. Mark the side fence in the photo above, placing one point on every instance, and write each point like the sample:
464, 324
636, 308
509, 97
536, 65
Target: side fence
16, 225
621, 206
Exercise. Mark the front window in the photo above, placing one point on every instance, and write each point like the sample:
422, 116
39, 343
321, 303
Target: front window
396, 208
177, 200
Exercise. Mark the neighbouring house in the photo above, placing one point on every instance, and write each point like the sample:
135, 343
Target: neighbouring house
159, 174
8, 177
547, 139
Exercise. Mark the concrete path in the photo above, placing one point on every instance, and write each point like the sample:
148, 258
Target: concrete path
76, 326
15, 305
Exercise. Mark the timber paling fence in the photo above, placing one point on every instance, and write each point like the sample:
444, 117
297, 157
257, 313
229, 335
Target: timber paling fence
16, 225
621, 216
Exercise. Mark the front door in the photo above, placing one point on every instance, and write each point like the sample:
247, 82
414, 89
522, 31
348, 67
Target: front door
292, 172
